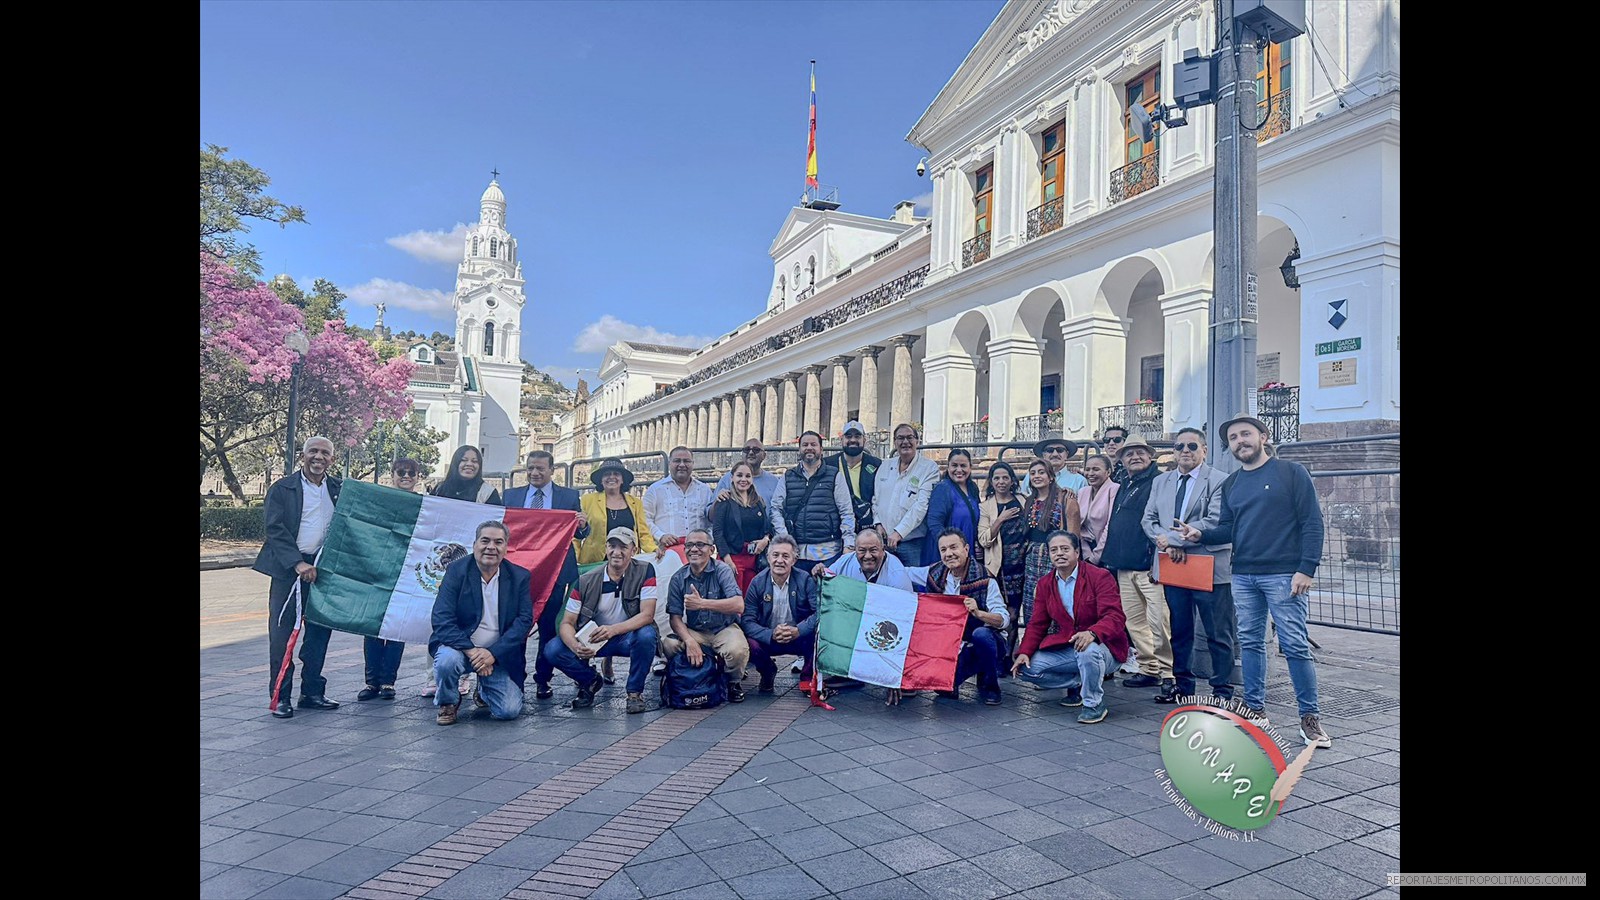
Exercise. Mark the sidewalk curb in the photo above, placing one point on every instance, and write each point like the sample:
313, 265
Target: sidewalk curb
226, 561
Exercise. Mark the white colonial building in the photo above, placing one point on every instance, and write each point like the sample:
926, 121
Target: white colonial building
1064, 278
472, 393
630, 371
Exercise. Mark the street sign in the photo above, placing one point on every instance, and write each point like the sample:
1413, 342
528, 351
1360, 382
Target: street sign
1341, 346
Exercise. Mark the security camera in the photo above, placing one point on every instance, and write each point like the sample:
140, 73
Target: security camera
922, 166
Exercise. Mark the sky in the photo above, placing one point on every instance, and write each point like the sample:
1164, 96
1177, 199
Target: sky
648, 151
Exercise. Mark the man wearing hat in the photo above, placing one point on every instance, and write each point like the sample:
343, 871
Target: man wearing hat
620, 597
1270, 513
860, 470
1056, 450
1129, 553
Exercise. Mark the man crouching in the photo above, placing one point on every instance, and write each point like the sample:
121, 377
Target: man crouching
482, 622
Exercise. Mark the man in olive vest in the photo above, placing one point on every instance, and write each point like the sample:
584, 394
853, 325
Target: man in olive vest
620, 598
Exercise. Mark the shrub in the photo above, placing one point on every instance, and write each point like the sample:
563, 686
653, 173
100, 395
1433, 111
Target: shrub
228, 523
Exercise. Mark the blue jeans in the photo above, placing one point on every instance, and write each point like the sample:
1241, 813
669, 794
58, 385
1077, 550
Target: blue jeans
1182, 602
1064, 667
1254, 596
497, 689
981, 658
639, 646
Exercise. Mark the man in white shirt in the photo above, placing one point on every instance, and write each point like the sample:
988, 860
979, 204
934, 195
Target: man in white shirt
677, 504
900, 496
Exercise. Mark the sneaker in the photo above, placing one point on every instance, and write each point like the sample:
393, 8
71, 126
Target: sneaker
1169, 691
635, 703
660, 668
1141, 680
1256, 717
990, 697
1131, 666
1092, 714
586, 692
1073, 698
447, 714
1311, 730
735, 691
795, 668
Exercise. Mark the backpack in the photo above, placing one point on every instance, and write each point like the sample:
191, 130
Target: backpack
685, 686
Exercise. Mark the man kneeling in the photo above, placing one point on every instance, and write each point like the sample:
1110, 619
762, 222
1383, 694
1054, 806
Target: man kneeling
1084, 606
703, 607
780, 612
620, 597
481, 621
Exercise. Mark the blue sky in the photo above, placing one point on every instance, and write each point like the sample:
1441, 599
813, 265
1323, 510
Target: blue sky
648, 151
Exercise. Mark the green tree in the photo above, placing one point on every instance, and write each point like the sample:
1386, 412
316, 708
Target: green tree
230, 196
324, 304
391, 440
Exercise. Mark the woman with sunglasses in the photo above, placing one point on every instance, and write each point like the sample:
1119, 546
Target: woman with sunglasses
464, 480
382, 656
1003, 535
953, 504
741, 524
1049, 508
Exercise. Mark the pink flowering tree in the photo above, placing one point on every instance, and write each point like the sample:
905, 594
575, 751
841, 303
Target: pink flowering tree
345, 391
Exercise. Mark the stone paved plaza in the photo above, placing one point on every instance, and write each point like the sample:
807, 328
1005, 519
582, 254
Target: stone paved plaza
768, 798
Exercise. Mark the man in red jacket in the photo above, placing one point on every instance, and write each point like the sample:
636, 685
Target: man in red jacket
1091, 637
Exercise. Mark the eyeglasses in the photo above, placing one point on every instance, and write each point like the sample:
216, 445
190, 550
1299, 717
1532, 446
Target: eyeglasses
751, 451
1055, 449
1191, 447
405, 473
696, 545
1115, 440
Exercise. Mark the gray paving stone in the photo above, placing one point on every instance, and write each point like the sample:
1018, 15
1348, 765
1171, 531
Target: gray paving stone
529, 851
300, 888
217, 804
1363, 807
479, 881
894, 889
911, 854
617, 887
569, 825
980, 804
354, 865
210, 834
253, 814
208, 869
885, 797
1194, 865
347, 829
264, 787
1130, 836
1256, 886
408, 837
781, 883
1137, 878
238, 882
667, 845
1251, 855
927, 816
809, 843
1386, 842
296, 856
1366, 864
851, 869
714, 833
1021, 868
734, 860
671, 874
242, 847
307, 793
1075, 812
1079, 888
873, 828
1318, 880
959, 881
835, 808
716, 890
1078, 851
856, 780
1024, 825
749, 799
1331, 821
1293, 836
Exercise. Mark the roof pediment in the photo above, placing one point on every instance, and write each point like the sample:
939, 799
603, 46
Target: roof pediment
799, 221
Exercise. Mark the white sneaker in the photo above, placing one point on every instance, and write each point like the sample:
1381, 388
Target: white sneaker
798, 665
1131, 667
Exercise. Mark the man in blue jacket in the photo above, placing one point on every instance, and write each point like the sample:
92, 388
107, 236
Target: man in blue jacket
481, 620
1270, 513
780, 612
539, 493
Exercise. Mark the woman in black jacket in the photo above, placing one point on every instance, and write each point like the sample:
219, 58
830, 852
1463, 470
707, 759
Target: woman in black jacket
741, 526
465, 479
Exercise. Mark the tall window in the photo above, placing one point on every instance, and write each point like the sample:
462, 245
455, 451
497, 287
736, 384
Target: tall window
494, 248
811, 271
983, 200
488, 339
1146, 91
1053, 169
1273, 74
474, 245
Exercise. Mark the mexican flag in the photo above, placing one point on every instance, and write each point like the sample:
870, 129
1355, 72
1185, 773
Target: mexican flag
386, 551
889, 637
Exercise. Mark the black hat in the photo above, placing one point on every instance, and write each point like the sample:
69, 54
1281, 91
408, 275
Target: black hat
1222, 430
1054, 437
612, 465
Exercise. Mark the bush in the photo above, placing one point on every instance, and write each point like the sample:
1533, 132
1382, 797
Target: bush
228, 523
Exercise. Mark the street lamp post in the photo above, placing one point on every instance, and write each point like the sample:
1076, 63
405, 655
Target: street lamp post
297, 342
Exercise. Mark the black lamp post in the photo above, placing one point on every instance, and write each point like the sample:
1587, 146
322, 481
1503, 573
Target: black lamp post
297, 342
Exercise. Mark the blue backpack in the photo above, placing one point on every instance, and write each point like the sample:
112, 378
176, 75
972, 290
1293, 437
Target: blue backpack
686, 686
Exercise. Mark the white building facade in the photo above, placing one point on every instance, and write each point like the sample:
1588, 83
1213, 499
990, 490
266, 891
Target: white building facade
1064, 278
630, 371
473, 393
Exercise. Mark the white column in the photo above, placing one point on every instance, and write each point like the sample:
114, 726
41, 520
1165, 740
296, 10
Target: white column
736, 435
1093, 372
713, 423
753, 409
1014, 375
769, 412
869, 388
900, 399
1186, 320
692, 439
702, 435
790, 421
725, 433
813, 414
1010, 181
951, 382
839, 413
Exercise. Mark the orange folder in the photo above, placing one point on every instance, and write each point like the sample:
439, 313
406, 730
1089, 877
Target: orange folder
1193, 573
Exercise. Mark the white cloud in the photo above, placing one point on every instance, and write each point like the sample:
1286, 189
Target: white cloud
597, 336
924, 204
399, 295
433, 246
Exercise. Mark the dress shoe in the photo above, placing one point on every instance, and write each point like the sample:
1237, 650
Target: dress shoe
735, 691
541, 691
386, 692
447, 714
586, 692
318, 703
990, 697
766, 682
1141, 680
1169, 691
283, 710
368, 693
477, 699
948, 695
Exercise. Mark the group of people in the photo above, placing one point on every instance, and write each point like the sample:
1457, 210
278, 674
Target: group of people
1061, 570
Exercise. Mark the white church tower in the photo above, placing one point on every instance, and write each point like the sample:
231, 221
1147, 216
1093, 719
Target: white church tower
488, 302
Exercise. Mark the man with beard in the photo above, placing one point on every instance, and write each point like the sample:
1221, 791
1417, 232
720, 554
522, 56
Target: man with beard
860, 470
765, 482
812, 505
1270, 513
1129, 553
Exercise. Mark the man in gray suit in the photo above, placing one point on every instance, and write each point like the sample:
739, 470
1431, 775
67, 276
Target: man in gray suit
1192, 493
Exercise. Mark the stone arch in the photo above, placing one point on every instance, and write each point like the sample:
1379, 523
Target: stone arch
1141, 272
972, 332
1278, 307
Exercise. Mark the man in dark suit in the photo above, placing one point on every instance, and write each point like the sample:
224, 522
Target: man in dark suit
539, 493
481, 621
860, 470
299, 510
780, 613
1084, 606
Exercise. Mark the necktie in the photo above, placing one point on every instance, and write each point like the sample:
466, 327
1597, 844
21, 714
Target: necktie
538, 498
1183, 487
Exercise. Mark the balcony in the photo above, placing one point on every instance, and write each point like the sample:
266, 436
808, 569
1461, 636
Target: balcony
1275, 112
1034, 428
1136, 177
1279, 409
1144, 416
1045, 218
975, 250
972, 432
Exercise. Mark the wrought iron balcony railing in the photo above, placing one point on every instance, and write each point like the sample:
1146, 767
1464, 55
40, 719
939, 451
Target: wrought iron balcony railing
1276, 112
1044, 218
972, 433
1136, 177
1279, 410
1034, 428
975, 250
1142, 417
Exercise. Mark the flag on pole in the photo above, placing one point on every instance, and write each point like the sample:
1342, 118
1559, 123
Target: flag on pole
811, 143
386, 551
889, 637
